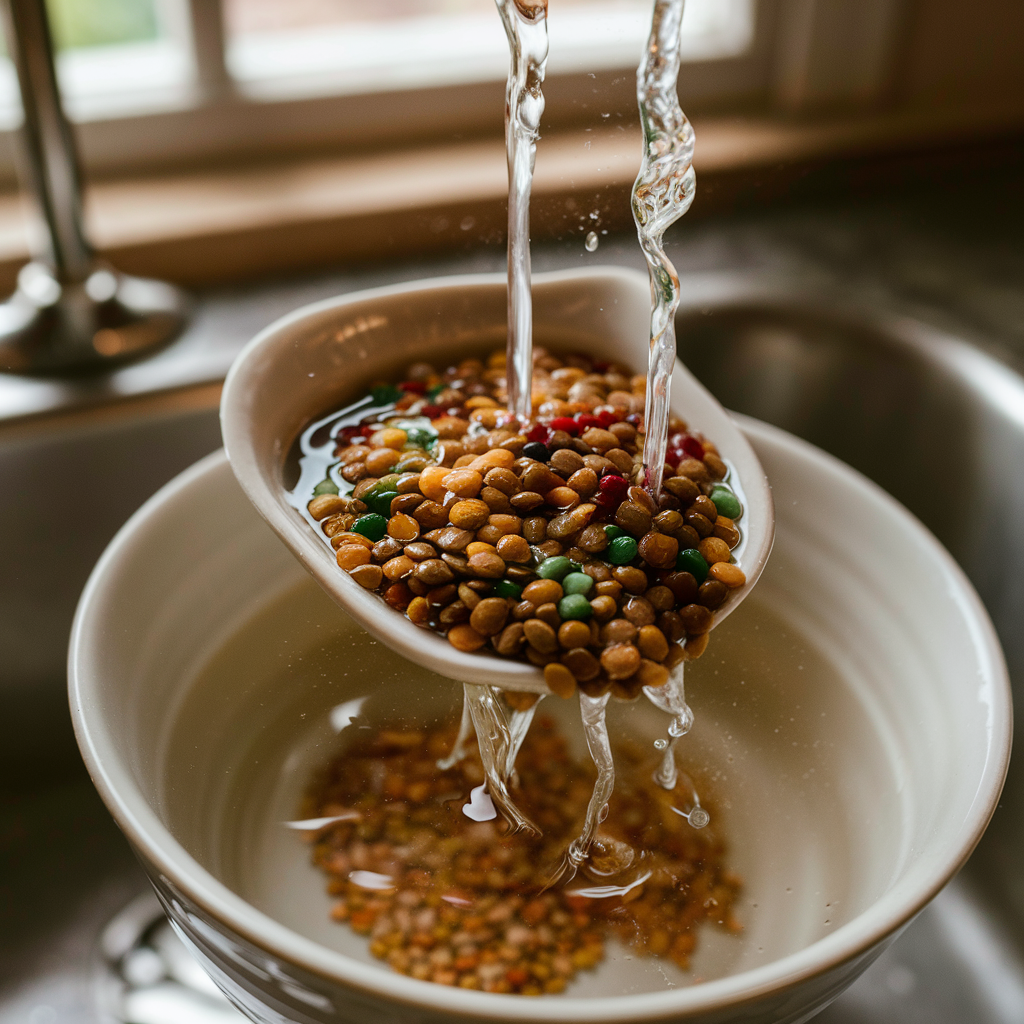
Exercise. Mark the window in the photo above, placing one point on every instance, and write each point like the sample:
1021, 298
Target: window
336, 47
155, 81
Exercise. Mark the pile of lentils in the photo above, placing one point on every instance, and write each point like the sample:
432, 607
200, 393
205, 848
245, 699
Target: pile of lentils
458, 902
535, 539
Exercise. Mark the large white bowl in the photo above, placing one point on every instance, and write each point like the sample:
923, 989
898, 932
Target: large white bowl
917, 727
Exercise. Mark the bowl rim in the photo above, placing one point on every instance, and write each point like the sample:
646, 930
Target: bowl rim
854, 940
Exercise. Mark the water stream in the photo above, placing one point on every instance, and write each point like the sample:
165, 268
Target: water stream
497, 751
662, 193
527, 29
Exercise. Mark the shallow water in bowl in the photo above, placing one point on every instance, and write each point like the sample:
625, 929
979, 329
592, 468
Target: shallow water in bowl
783, 750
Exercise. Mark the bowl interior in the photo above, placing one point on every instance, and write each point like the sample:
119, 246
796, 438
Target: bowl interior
205, 666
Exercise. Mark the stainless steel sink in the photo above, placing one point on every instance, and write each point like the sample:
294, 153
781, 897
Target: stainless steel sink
930, 417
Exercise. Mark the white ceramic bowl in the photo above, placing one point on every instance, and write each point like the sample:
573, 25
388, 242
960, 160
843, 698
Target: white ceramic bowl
848, 801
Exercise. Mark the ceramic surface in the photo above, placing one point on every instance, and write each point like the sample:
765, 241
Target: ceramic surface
326, 355
923, 758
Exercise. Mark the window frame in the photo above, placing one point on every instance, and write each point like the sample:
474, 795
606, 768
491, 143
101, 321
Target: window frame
214, 119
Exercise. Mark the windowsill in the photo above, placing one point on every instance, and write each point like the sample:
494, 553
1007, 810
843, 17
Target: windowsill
221, 225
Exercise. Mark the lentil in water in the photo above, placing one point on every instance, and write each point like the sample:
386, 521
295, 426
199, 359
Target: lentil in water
535, 542
445, 899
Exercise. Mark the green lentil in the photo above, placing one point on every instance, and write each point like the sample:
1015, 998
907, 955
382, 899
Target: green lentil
381, 501
506, 588
554, 568
385, 483
726, 502
575, 606
622, 550
372, 526
692, 561
577, 583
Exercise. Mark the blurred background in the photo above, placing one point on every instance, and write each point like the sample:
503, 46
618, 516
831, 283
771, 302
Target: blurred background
856, 246
209, 127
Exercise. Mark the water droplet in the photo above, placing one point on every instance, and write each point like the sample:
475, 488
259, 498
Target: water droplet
592, 241
698, 817
660, 744
467, 223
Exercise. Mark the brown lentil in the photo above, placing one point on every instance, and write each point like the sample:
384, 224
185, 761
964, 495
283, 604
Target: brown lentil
632, 579
560, 681
510, 640
540, 636
549, 613
368, 576
489, 616
731, 575
419, 551
639, 611
573, 634
514, 548
399, 567
350, 556
327, 505
581, 663
433, 572
620, 660
712, 593
652, 643
604, 607
464, 638
386, 548
696, 619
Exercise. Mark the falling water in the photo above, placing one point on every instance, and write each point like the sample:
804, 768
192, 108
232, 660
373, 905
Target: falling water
518, 727
595, 728
527, 29
460, 748
671, 698
662, 193
496, 743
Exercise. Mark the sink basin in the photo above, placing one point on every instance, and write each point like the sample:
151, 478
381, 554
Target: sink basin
932, 419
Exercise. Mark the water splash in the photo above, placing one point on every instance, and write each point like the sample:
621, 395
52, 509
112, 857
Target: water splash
526, 26
691, 810
495, 741
662, 193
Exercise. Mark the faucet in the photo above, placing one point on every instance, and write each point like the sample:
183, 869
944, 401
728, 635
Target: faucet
71, 309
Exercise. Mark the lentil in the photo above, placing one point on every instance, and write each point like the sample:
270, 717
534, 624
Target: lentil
577, 583
622, 550
439, 479
368, 576
573, 633
574, 606
489, 616
731, 575
351, 556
